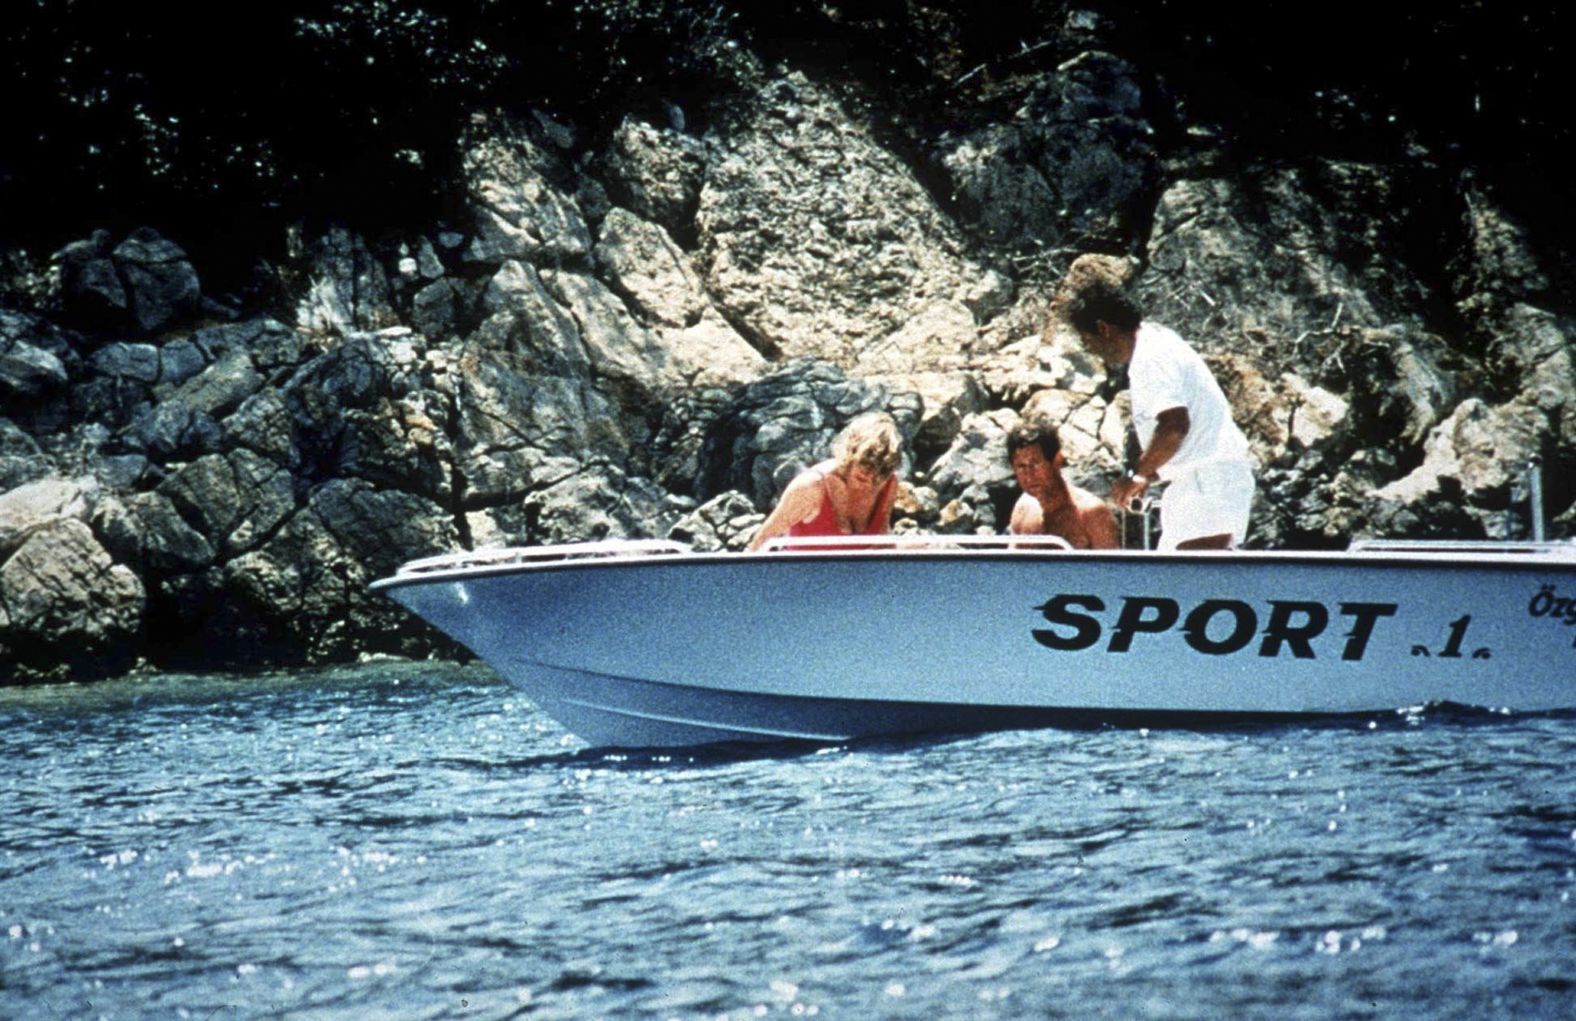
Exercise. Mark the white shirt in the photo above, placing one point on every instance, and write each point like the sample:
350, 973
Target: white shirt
1166, 373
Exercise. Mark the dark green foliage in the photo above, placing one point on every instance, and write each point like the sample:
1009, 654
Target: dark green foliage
220, 127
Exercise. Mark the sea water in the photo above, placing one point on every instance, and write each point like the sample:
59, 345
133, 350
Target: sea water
417, 841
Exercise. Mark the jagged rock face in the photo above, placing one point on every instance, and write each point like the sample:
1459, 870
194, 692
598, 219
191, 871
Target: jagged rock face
600, 502
974, 475
1475, 455
648, 333
27, 370
304, 590
66, 608
145, 283
818, 242
519, 212
21, 458
348, 289
1270, 265
1075, 164
726, 521
643, 264
147, 533
655, 173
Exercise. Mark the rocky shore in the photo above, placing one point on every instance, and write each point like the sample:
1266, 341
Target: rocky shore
645, 332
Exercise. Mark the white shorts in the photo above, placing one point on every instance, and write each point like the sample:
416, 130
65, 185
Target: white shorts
1213, 498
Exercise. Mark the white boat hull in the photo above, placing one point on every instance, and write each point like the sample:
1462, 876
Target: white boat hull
664, 649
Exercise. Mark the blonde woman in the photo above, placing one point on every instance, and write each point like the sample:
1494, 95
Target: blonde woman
849, 494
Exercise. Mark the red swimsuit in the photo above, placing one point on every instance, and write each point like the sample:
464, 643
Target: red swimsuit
825, 520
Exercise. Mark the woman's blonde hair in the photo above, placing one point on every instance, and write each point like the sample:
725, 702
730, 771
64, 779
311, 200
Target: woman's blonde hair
871, 440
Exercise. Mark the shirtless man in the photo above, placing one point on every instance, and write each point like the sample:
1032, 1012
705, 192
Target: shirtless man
1050, 505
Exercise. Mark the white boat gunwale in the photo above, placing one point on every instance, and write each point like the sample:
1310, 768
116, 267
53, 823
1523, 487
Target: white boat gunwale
626, 553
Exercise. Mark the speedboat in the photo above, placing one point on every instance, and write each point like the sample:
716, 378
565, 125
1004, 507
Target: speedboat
649, 643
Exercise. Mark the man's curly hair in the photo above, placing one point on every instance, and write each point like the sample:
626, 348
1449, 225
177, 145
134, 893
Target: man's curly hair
1096, 288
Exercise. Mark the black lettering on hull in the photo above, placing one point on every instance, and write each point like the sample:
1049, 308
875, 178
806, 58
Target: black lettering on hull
1244, 624
1086, 629
1281, 633
1214, 627
1137, 618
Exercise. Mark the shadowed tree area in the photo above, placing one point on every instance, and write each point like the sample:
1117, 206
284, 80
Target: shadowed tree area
221, 130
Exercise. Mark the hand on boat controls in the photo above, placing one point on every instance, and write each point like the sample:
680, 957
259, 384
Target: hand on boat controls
1128, 491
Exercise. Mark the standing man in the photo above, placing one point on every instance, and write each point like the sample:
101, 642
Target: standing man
1182, 419
1050, 505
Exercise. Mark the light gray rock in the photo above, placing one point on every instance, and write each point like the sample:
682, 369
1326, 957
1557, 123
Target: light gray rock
757, 440
347, 290
726, 521
401, 443
1425, 383
620, 349
420, 261
655, 172
369, 408
262, 424
1095, 438
1477, 453
1400, 381
524, 320
518, 212
379, 529
710, 353
28, 371
1030, 363
220, 388
641, 262
518, 432
814, 239
1287, 416
178, 361
67, 611
600, 502
27, 508
271, 345
358, 373
1269, 265
939, 337
34, 330
975, 468
136, 362
120, 473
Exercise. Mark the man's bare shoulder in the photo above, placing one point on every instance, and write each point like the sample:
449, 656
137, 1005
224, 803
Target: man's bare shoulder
1099, 521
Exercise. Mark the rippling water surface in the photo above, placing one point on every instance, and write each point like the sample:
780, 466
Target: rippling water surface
416, 841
